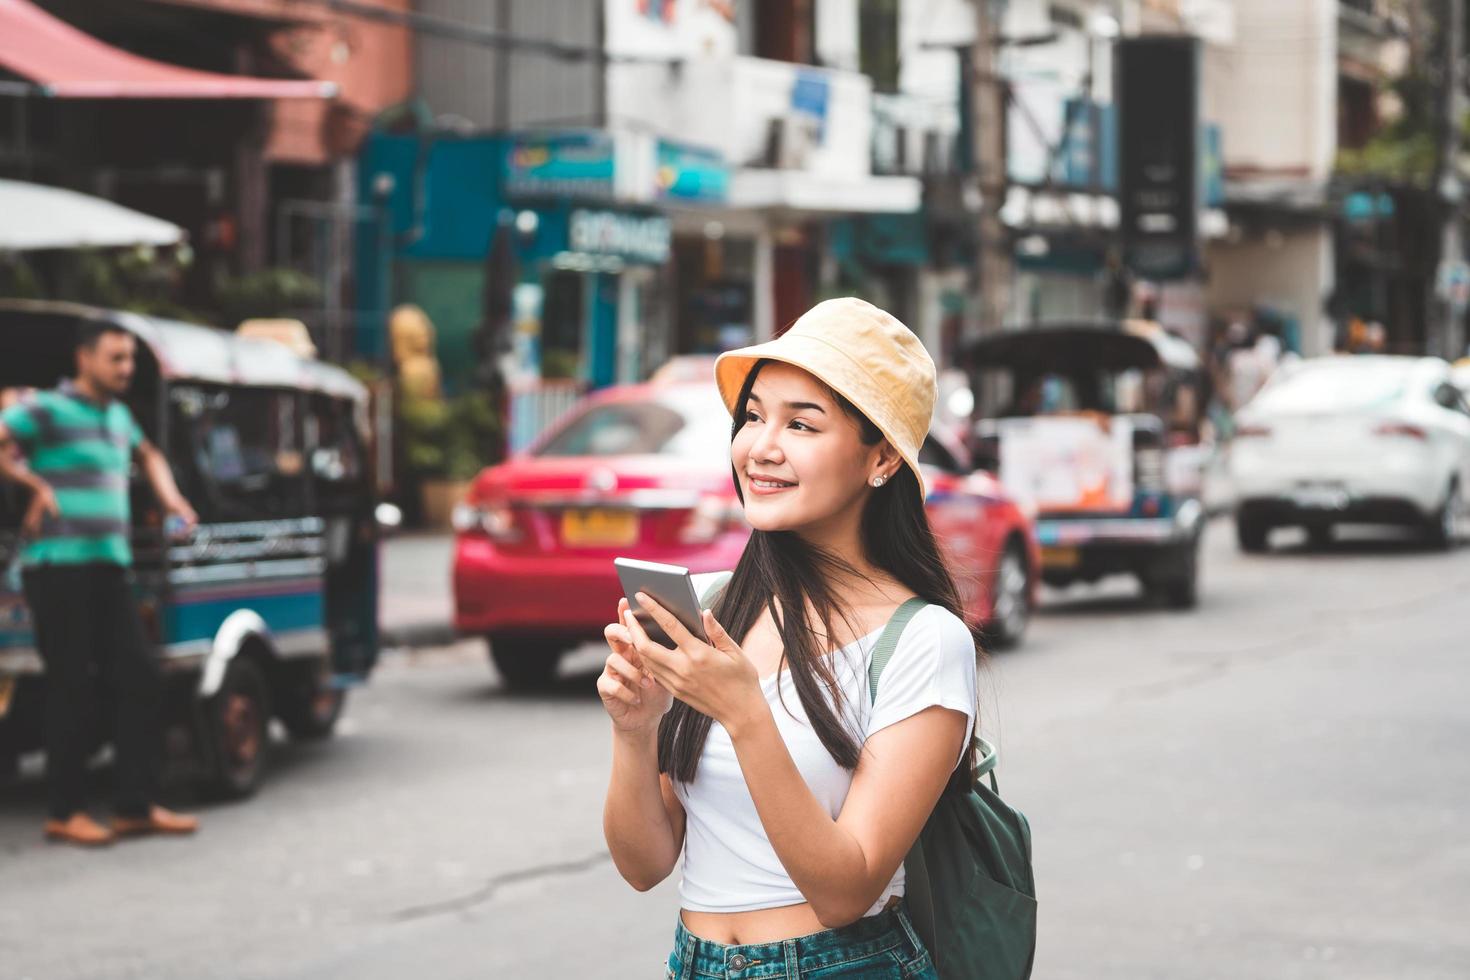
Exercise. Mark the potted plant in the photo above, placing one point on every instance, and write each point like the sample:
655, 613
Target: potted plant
445, 443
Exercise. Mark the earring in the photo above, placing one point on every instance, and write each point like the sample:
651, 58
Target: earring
879, 480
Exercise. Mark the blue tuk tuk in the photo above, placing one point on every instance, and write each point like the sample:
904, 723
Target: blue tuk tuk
269, 610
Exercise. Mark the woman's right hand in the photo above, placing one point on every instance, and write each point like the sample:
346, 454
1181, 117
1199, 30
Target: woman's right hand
632, 698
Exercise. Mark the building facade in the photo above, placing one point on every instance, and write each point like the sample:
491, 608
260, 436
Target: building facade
670, 175
240, 124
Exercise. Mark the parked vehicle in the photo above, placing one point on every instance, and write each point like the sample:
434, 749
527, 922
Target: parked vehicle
1095, 429
644, 471
1376, 439
270, 608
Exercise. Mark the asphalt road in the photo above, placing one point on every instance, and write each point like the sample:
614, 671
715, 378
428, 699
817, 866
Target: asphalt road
1275, 785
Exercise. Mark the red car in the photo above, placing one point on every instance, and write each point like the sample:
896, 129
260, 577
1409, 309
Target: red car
644, 471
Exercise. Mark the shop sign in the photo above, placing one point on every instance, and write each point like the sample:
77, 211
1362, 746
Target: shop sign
1079, 152
579, 164
1360, 206
1212, 166
811, 94
632, 237
1157, 89
691, 173
672, 29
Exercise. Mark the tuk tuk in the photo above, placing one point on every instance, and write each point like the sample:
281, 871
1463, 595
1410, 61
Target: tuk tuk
269, 610
1095, 428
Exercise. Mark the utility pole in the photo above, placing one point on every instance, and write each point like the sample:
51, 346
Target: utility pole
1447, 338
988, 156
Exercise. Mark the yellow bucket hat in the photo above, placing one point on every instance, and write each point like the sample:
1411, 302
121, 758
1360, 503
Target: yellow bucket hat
864, 354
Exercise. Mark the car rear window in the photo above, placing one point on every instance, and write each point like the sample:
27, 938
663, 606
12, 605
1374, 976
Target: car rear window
675, 424
1336, 386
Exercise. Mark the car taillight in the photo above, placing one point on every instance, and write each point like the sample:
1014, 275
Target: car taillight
493, 520
1402, 430
711, 517
1253, 432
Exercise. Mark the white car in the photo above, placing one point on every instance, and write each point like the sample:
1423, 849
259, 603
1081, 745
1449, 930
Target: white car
1461, 373
1353, 439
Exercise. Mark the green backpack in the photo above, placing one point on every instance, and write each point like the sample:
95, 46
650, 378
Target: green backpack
968, 880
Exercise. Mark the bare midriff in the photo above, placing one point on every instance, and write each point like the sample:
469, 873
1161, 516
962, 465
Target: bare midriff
759, 926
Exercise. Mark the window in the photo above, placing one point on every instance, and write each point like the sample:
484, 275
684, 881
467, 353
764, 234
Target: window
694, 425
931, 453
240, 452
1342, 384
335, 450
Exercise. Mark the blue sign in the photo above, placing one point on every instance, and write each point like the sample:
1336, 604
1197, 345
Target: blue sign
1363, 206
1075, 156
1211, 166
810, 94
577, 164
691, 173
881, 239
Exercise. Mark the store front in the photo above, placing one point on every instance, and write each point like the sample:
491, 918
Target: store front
591, 280
596, 248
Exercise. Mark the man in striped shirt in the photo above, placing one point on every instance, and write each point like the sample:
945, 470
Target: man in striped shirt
76, 446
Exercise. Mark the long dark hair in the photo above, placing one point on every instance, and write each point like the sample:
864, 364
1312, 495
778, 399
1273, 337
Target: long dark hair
779, 565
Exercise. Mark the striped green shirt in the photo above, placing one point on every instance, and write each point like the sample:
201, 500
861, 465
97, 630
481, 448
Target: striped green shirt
83, 449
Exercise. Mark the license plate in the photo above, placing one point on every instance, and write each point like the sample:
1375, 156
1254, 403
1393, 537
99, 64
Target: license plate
606, 528
1060, 558
7, 694
1320, 498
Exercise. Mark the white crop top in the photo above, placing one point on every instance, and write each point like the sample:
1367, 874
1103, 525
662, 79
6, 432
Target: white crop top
729, 864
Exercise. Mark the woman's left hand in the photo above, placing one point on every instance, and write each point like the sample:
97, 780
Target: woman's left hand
715, 678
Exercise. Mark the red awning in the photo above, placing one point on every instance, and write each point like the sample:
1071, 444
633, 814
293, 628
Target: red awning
69, 64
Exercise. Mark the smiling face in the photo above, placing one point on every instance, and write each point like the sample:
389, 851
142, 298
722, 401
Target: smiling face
800, 457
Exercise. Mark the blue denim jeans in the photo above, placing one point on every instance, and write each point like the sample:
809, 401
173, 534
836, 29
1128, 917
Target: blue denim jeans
880, 947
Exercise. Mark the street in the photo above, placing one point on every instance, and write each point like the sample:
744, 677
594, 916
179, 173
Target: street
1272, 786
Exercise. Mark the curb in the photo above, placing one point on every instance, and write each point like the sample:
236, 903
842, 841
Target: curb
422, 634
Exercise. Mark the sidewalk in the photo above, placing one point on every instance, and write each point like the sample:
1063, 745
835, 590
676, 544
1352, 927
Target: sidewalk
416, 606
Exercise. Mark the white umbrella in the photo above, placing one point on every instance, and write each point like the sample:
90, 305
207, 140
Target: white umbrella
35, 216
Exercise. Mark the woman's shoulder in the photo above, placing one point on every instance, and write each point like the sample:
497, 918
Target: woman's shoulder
935, 634
933, 663
937, 621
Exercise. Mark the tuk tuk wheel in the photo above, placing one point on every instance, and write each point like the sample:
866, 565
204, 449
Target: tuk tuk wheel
525, 664
1178, 587
236, 721
310, 710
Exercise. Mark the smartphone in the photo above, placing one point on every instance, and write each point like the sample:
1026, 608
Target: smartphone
670, 585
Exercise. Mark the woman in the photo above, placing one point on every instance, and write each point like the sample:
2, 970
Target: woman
792, 798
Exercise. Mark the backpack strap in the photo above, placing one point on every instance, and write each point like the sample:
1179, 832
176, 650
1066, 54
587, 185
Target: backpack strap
712, 590
888, 642
985, 754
